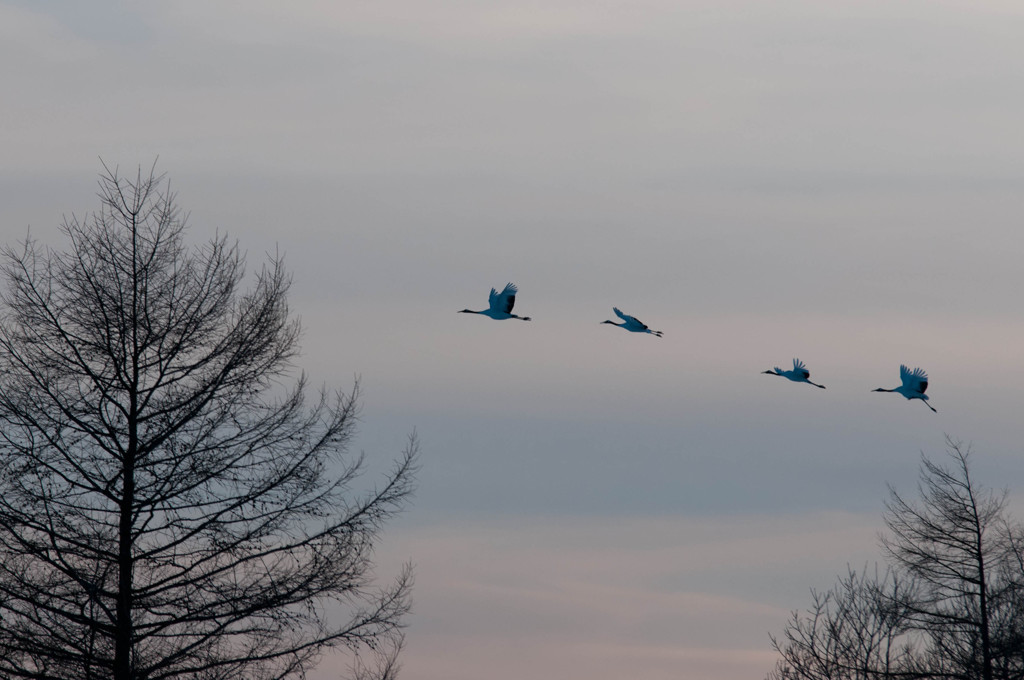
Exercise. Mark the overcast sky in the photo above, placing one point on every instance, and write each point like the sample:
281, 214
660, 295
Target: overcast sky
841, 182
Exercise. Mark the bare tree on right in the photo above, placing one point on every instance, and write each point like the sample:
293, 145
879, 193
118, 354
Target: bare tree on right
950, 606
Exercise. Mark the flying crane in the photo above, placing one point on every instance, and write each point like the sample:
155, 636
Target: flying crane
500, 305
798, 374
914, 384
631, 323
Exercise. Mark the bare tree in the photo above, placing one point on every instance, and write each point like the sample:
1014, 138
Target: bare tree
855, 631
950, 607
1008, 641
169, 509
953, 545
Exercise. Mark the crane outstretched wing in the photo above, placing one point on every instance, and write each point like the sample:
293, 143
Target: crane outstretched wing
505, 300
915, 380
631, 321
800, 368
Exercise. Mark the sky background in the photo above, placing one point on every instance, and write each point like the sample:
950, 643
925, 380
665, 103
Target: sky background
841, 182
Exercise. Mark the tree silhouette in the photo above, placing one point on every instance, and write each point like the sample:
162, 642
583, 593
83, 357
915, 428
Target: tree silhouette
855, 631
952, 545
950, 606
168, 508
